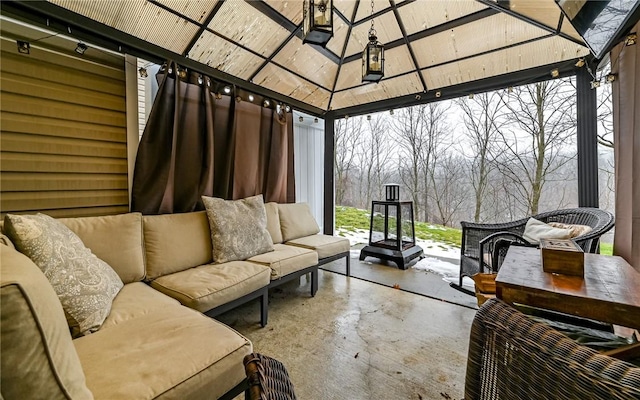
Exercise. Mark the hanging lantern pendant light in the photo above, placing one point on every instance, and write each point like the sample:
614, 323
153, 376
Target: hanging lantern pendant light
372, 56
317, 27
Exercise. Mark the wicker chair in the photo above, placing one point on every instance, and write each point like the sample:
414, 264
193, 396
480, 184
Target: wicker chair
489, 242
513, 357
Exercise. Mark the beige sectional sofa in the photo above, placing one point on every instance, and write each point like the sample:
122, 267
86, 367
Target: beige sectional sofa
150, 345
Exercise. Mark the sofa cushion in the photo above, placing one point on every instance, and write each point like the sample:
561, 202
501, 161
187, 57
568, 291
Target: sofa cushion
85, 284
209, 286
238, 228
535, 230
134, 300
284, 259
324, 245
273, 222
123, 250
172, 352
175, 242
296, 221
38, 359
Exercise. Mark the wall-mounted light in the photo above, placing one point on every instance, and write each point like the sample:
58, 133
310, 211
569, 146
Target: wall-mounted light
238, 99
317, 26
315, 120
555, 73
143, 72
218, 96
510, 89
438, 93
595, 83
471, 95
81, 48
391, 112
372, 57
631, 39
23, 47
368, 117
266, 103
300, 118
287, 108
227, 89
611, 77
580, 63
251, 97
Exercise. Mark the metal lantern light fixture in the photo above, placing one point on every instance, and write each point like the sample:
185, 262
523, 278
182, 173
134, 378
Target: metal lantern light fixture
373, 57
317, 21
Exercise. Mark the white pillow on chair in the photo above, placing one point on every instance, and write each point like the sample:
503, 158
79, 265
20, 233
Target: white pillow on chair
536, 230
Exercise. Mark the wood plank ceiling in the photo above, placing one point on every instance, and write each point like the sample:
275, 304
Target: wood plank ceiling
430, 44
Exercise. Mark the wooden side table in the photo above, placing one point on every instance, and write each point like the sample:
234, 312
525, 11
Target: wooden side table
609, 291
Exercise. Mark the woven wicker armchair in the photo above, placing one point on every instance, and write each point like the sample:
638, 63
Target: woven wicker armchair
489, 242
513, 357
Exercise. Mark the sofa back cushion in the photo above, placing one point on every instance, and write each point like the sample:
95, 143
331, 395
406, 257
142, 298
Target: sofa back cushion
175, 242
296, 221
38, 358
238, 228
116, 239
273, 222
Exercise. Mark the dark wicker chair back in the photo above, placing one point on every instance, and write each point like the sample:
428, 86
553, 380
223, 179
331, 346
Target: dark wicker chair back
480, 240
513, 357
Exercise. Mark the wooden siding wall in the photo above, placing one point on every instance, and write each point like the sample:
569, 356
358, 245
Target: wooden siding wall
63, 142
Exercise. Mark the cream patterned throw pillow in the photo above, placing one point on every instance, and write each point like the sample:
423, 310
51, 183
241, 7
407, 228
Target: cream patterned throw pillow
85, 285
238, 228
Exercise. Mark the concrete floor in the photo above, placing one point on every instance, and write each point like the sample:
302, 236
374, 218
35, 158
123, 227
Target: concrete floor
360, 340
411, 280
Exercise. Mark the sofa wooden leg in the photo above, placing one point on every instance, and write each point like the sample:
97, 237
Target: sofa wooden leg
264, 308
314, 282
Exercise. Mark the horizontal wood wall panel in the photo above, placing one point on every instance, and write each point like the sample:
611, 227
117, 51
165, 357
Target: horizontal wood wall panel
54, 91
29, 162
37, 182
77, 73
37, 144
63, 147
16, 202
21, 104
21, 123
76, 212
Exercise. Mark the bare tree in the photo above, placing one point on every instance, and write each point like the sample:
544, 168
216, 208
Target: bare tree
347, 135
435, 131
449, 194
605, 116
408, 128
481, 116
374, 155
542, 120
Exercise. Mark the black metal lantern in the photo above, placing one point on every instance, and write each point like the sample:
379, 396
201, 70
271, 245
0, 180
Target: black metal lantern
373, 57
317, 18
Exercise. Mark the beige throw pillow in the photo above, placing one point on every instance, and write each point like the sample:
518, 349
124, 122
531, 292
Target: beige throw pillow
85, 285
536, 230
297, 221
238, 228
576, 230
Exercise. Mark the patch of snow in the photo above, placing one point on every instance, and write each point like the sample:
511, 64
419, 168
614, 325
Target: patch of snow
450, 272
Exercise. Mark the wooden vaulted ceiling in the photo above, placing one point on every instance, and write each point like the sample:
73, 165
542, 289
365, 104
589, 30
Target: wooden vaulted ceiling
431, 45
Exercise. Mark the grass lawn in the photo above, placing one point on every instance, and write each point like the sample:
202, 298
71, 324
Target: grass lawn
350, 219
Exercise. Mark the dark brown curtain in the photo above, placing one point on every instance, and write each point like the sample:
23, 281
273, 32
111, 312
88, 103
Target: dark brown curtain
626, 127
200, 140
